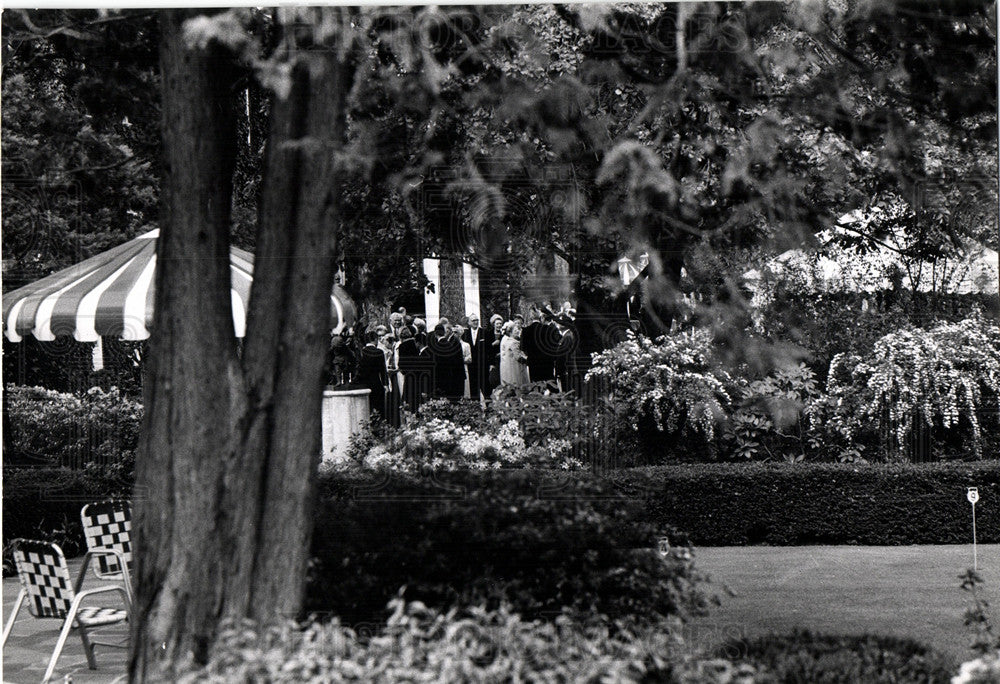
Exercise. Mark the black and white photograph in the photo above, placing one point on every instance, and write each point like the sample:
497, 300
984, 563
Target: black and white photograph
577, 342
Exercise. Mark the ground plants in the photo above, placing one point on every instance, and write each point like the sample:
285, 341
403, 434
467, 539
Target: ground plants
807, 657
474, 644
446, 435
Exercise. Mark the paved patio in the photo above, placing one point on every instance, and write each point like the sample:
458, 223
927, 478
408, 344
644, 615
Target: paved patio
31, 642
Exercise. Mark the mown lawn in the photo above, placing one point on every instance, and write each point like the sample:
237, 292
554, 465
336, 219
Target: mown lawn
910, 591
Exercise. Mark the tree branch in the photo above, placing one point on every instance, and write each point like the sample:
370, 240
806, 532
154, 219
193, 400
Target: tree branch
106, 167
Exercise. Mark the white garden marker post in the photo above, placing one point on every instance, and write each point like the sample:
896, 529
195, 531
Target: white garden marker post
663, 546
972, 494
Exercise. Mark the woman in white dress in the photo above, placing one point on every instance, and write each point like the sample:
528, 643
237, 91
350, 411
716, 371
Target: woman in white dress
513, 369
458, 331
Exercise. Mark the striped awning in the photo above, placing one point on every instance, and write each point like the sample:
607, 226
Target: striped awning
112, 295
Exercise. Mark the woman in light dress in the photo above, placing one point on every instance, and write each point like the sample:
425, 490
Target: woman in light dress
458, 331
513, 367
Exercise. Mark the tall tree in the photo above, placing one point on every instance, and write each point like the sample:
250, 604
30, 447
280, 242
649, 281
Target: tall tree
678, 140
230, 445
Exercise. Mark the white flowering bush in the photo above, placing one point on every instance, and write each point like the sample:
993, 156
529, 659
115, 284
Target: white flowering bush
947, 377
984, 670
672, 381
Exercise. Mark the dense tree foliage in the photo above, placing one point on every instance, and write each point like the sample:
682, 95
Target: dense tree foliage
704, 134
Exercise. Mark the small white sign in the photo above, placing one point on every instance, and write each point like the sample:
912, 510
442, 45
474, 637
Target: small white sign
972, 495
663, 546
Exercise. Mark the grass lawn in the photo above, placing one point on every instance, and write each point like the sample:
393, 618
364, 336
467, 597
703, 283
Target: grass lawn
910, 591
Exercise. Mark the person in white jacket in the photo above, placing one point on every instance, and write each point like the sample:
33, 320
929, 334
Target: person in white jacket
513, 362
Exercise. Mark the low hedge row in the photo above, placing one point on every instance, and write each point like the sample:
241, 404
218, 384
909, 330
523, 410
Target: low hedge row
798, 504
419, 644
714, 504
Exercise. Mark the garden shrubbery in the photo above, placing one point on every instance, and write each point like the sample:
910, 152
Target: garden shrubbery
685, 405
944, 377
47, 428
528, 426
417, 643
808, 657
538, 541
824, 503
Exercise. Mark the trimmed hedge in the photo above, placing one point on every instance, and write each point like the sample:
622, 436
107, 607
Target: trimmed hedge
799, 504
806, 657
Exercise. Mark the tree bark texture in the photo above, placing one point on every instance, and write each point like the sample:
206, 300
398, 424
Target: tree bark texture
191, 400
227, 465
288, 332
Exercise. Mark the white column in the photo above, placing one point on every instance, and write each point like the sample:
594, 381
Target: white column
470, 283
98, 355
432, 300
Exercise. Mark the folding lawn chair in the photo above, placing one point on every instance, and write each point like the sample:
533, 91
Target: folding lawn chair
107, 526
45, 582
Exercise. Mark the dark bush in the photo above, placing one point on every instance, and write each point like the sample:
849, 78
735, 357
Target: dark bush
45, 503
823, 503
533, 539
821, 659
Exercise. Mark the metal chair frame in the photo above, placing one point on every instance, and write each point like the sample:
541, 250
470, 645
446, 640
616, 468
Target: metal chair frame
107, 526
66, 601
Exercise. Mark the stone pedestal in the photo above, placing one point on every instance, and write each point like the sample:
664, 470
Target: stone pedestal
344, 412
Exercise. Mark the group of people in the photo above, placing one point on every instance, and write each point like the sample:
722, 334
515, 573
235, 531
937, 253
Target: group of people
404, 364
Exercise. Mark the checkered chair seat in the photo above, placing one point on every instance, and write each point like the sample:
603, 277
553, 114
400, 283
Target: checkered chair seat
46, 587
108, 525
93, 616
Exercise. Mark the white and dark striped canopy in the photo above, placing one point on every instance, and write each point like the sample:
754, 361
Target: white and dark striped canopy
112, 295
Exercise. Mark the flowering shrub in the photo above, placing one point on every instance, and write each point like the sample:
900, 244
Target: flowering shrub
441, 444
672, 381
446, 435
945, 376
55, 428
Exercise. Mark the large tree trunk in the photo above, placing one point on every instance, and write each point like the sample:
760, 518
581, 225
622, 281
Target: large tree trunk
190, 399
227, 464
288, 333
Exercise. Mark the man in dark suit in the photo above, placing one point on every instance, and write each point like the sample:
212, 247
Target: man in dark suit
540, 343
529, 345
480, 341
372, 374
565, 361
449, 366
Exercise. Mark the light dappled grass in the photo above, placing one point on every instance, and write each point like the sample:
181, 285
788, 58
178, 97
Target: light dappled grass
906, 591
